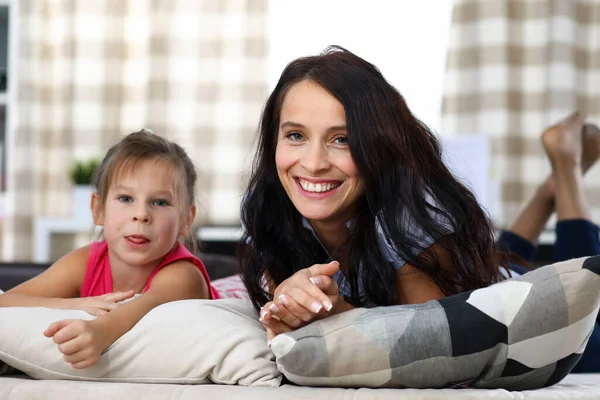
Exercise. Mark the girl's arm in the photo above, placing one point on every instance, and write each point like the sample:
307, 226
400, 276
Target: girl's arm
178, 281
82, 342
53, 287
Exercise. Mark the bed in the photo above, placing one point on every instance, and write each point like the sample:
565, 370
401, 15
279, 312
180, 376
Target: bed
574, 386
240, 354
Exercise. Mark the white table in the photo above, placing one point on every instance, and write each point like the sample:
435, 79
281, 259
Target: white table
220, 233
45, 227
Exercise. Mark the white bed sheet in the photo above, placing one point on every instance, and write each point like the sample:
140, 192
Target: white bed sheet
574, 386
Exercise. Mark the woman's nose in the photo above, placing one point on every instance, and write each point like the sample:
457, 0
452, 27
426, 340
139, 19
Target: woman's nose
316, 158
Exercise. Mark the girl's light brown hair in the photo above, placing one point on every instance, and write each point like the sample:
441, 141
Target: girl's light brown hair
142, 146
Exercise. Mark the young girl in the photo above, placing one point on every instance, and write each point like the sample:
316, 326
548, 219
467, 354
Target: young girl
144, 201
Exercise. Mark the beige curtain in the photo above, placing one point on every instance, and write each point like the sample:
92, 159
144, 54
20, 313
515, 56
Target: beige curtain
90, 71
513, 68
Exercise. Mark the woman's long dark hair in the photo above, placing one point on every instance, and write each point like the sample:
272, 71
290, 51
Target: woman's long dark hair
400, 162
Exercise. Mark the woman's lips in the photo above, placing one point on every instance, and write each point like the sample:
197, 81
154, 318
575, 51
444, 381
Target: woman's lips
317, 189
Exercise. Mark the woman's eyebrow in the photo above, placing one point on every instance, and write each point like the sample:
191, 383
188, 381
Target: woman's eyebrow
292, 124
338, 128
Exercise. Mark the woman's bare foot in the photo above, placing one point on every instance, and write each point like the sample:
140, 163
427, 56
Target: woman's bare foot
572, 148
591, 153
563, 142
564, 146
591, 146
567, 137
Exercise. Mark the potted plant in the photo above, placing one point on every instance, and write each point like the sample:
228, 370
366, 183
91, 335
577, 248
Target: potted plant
81, 174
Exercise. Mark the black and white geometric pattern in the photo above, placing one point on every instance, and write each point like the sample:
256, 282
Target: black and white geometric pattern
524, 333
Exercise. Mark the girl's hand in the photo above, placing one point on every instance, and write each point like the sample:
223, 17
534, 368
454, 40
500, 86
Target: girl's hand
309, 294
80, 341
99, 305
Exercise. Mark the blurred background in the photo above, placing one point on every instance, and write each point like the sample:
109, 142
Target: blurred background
76, 75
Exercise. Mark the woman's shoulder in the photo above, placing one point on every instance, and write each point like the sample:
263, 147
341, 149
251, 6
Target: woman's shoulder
415, 233
386, 246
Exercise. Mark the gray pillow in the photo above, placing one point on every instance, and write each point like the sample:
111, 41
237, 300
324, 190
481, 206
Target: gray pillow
523, 333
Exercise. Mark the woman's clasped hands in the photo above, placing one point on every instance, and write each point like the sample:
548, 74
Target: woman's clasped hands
309, 294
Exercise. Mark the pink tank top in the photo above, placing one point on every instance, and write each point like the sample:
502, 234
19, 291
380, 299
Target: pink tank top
98, 276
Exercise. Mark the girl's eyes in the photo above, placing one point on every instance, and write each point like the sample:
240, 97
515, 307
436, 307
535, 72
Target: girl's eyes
160, 203
157, 202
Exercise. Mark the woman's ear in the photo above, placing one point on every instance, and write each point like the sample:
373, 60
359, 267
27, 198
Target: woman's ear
96, 208
190, 216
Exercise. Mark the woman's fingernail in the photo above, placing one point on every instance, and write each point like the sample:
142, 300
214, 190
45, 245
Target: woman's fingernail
316, 307
273, 307
334, 262
315, 280
328, 306
263, 312
283, 298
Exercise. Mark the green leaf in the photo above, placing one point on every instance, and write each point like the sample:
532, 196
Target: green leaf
82, 172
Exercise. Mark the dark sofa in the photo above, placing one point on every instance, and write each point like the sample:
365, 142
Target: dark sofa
11, 274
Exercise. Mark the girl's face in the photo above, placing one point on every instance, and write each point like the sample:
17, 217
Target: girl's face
313, 158
142, 216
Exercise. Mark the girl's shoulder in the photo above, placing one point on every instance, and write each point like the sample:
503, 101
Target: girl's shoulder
179, 252
78, 256
63, 279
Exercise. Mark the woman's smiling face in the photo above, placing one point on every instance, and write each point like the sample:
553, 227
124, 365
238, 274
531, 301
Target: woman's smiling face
313, 157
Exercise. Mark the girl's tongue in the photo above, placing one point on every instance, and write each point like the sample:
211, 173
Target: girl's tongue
138, 239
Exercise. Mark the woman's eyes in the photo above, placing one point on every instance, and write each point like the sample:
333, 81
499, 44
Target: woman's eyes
341, 140
295, 136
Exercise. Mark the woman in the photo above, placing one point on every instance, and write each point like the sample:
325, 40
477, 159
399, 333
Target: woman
350, 205
345, 172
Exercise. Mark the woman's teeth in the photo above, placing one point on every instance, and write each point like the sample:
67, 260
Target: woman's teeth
318, 187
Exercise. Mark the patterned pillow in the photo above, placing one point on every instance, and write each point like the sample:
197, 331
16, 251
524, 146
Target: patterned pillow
523, 333
231, 287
